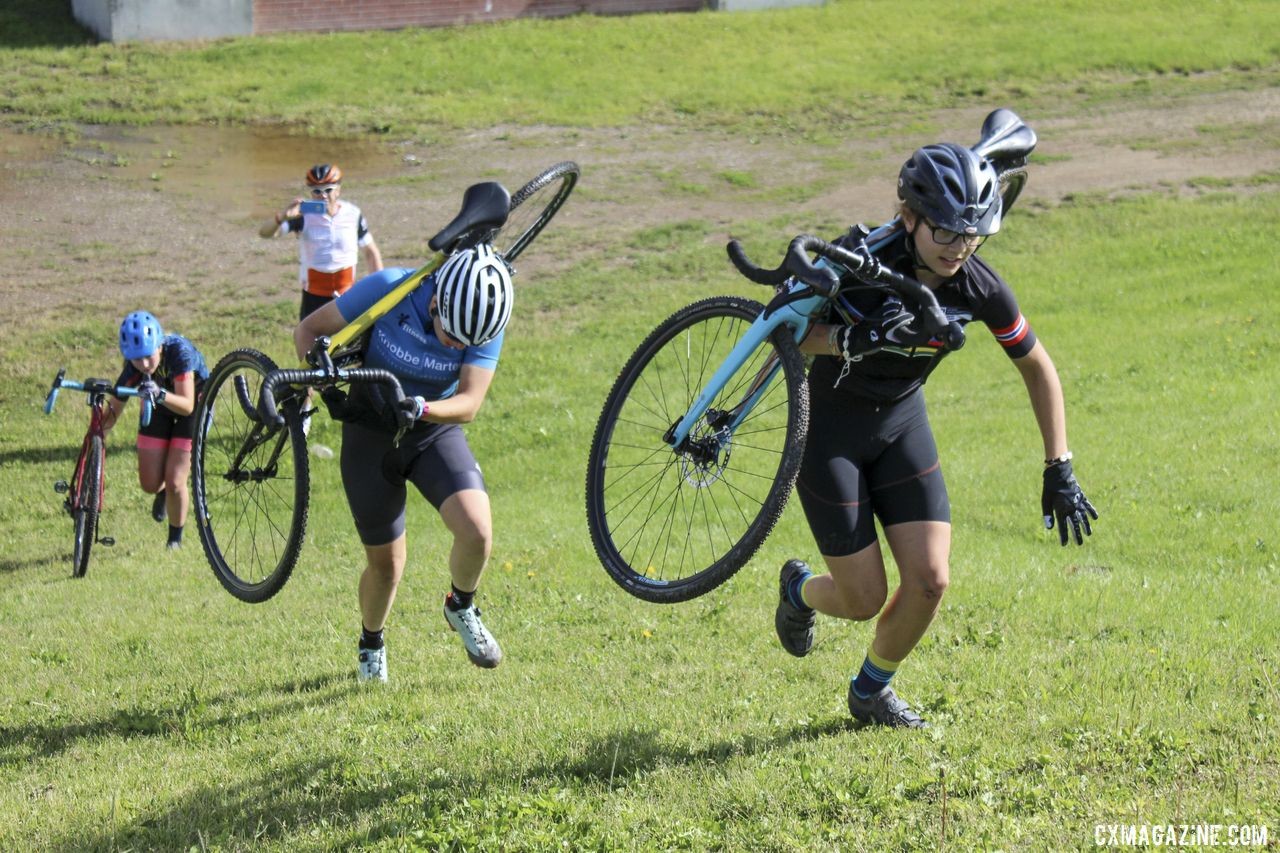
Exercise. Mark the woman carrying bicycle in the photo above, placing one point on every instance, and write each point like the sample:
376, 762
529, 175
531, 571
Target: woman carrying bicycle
442, 342
870, 451
169, 370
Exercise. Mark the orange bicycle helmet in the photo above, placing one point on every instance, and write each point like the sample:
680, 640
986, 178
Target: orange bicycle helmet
323, 175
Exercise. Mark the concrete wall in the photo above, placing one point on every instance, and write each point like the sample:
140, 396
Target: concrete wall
147, 20
275, 16
155, 20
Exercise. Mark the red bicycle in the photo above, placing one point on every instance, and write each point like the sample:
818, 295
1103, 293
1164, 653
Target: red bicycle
84, 492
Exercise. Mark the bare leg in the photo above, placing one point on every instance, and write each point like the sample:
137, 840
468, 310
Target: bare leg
856, 586
177, 469
466, 515
378, 583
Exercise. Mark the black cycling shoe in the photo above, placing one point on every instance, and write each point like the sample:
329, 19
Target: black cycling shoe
794, 624
884, 709
158, 510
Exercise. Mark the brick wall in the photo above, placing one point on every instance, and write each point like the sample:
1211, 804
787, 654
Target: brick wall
276, 16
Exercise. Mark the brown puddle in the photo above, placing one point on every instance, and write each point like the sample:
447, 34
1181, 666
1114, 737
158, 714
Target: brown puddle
243, 171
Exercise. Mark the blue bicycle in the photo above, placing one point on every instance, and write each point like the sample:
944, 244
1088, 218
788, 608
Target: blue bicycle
701, 437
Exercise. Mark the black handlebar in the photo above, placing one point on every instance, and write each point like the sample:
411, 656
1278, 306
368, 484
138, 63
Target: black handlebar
325, 373
862, 264
267, 402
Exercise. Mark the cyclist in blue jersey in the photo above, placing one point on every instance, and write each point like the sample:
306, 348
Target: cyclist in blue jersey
442, 342
170, 372
870, 451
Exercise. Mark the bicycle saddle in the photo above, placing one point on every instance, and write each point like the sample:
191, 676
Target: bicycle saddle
484, 209
1006, 141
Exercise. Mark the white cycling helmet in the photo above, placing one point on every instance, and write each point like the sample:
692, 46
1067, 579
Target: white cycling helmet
474, 295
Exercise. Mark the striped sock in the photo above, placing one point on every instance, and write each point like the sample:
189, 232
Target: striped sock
875, 675
795, 589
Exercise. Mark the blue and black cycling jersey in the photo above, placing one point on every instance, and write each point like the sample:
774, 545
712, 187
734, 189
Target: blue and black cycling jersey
177, 356
404, 341
977, 292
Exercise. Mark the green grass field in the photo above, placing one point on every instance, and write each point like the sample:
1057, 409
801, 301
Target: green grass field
1135, 680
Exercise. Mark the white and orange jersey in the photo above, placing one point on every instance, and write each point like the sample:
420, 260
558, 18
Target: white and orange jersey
329, 247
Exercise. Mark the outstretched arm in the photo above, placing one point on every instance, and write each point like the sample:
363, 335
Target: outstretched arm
1062, 502
1045, 391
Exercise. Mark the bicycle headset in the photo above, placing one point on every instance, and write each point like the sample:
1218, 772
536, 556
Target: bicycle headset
140, 335
953, 187
323, 175
474, 295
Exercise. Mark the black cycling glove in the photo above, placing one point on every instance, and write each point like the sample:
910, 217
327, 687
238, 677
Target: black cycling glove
889, 325
1063, 501
409, 411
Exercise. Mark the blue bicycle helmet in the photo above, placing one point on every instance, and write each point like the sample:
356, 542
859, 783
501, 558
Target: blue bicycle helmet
955, 188
140, 335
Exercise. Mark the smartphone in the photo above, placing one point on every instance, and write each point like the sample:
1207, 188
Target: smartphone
312, 207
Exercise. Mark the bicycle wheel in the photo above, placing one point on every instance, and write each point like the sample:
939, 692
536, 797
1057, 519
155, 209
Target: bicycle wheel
84, 509
532, 207
250, 480
670, 525
1011, 183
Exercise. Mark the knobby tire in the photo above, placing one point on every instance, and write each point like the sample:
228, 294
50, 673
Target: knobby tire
84, 508
667, 526
533, 206
251, 514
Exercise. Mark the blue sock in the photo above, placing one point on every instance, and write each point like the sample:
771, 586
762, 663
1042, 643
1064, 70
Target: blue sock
795, 588
875, 675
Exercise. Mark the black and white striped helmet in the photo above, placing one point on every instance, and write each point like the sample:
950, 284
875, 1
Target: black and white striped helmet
474, 295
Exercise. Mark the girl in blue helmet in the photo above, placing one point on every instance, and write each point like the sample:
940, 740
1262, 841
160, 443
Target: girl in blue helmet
870, 452
170, 371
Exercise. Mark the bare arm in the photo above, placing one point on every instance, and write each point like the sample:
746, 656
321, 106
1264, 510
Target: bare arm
323, 321
819, 340
271, 227
461, 408
1045, 391
182, 399
372, 257
112, 413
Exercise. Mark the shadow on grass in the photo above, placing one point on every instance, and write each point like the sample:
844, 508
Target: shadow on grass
619, 757
190, 717
41, 23
34, 455
11, 566
340, 792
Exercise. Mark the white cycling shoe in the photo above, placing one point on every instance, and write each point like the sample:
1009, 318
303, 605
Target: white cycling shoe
373, 665
481, 647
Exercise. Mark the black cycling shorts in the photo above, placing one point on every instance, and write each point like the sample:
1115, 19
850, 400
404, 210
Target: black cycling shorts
434, 457
170, 427
310, 303
864, 460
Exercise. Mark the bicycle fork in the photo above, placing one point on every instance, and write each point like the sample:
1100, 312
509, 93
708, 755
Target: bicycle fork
724, 422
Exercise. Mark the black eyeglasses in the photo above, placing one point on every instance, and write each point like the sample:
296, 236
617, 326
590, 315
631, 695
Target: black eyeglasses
946, 237
321, 192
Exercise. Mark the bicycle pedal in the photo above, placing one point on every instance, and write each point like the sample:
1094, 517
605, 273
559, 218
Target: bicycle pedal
62, 487
106, 541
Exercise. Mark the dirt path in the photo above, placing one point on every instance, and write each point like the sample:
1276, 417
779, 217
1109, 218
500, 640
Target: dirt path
117, 217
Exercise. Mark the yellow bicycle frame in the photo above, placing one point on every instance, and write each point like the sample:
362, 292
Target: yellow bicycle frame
357, 327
